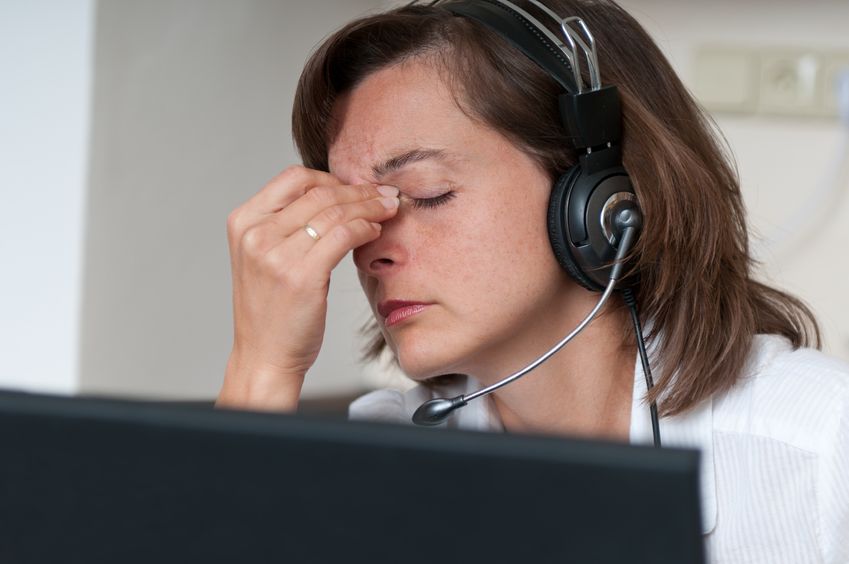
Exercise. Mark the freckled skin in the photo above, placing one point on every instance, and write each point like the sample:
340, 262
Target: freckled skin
483, 258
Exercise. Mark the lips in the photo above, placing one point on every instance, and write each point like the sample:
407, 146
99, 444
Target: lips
395, 311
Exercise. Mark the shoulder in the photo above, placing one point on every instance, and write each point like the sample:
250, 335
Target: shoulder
781, 444
799, 397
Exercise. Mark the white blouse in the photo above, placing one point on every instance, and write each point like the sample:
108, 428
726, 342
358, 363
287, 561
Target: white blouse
775, 451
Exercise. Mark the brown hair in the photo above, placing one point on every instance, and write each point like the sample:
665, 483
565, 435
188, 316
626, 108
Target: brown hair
696, 284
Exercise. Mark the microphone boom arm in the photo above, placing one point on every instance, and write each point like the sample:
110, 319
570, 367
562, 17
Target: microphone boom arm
592, 315
435, 411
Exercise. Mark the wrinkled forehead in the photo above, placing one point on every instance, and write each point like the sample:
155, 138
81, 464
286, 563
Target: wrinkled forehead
391, 111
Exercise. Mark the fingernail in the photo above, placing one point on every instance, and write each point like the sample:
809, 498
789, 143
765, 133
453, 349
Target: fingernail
388, 190
377, 226
390, 203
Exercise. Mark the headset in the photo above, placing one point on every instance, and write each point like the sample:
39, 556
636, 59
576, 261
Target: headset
584, 199
594, 218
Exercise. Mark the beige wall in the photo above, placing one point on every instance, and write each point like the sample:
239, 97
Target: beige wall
192, 102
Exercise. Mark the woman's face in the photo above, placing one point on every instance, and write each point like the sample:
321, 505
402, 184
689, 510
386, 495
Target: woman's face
469, 239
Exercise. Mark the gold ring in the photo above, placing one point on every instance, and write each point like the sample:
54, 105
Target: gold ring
312, 232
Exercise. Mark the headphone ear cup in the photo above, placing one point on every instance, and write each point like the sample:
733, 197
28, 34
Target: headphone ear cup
557, 235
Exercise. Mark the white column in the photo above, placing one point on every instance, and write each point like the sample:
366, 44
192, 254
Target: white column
46, 62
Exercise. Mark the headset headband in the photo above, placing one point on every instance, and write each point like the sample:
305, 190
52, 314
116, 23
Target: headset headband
525, 33
594, 117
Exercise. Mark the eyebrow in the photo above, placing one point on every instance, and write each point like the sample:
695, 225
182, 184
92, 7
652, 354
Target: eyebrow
400, 161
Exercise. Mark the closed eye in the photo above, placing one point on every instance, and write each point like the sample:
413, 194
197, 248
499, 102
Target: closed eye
422, 203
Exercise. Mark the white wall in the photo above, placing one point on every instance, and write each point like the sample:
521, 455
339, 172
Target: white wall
45, 60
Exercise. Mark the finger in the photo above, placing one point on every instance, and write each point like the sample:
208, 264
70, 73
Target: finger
329, 251
324, 199
299, 243
324, 208
310, 270
287, 187
264, 236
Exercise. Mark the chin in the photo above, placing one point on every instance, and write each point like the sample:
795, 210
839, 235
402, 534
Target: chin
433, 347
422, 363
417, 369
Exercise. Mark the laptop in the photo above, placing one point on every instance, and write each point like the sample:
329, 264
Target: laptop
95, 480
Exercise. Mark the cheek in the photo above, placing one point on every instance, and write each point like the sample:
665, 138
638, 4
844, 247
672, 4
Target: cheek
494, 246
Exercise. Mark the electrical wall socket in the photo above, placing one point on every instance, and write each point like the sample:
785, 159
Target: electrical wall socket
775, 81
789, 83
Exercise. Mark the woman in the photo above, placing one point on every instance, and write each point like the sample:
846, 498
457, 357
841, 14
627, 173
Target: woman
430, 145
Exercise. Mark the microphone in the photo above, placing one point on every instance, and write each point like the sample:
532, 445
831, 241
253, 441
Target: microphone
437, 410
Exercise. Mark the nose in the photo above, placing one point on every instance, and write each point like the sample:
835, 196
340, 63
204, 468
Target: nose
383, 255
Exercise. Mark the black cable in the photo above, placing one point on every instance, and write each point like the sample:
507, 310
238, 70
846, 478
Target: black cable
631, 302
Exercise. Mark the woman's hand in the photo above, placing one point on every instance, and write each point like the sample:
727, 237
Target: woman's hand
281, 277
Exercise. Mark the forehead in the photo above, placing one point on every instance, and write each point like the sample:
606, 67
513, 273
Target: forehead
401, 108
